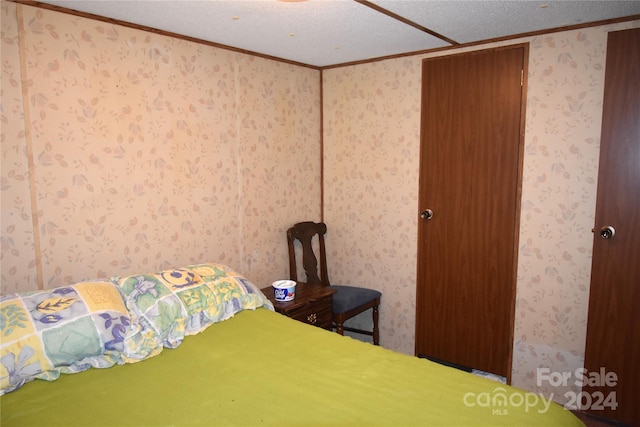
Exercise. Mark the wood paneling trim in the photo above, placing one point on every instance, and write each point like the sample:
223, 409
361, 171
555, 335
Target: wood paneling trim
516, 225
455, 45
156, 31
487, 41
35, 218
406, 21
321, 146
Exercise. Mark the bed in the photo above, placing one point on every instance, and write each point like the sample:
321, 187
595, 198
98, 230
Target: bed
236, 362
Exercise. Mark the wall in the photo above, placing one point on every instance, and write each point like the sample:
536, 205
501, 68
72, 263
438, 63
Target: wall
126, 151
372, 142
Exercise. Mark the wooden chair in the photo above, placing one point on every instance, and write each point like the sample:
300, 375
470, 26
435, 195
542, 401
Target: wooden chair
348, 301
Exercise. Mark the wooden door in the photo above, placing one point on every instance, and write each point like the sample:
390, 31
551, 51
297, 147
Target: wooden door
470, 173
613, 325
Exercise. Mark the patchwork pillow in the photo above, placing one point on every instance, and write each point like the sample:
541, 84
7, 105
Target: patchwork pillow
67, 329
172, 304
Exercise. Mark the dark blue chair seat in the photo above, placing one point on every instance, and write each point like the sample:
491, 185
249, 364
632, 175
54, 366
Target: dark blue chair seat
347, 298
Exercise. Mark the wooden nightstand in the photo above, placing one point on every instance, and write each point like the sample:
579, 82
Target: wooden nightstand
312, 304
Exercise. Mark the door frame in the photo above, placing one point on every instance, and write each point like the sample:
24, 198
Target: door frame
518, 203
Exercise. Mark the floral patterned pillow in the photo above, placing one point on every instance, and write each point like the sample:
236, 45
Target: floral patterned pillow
67, 329
172, 304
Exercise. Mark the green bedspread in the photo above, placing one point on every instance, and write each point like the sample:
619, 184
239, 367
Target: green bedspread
260, 368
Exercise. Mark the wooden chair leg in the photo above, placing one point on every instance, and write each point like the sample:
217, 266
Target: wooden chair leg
376, 331
340, 328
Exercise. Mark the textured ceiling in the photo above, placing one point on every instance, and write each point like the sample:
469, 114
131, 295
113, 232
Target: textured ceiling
323, 33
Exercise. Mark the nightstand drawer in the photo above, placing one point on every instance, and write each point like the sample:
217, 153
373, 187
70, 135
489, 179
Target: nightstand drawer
317, 314
313, 304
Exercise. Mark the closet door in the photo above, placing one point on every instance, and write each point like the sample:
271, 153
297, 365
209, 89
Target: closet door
613, 324
470, 173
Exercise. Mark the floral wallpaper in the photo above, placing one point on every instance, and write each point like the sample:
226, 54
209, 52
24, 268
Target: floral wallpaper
18, 258
127, 151
371, 154
142, 152
564, 110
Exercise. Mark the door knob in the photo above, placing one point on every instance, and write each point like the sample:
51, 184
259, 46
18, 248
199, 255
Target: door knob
607, 232
426, 214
